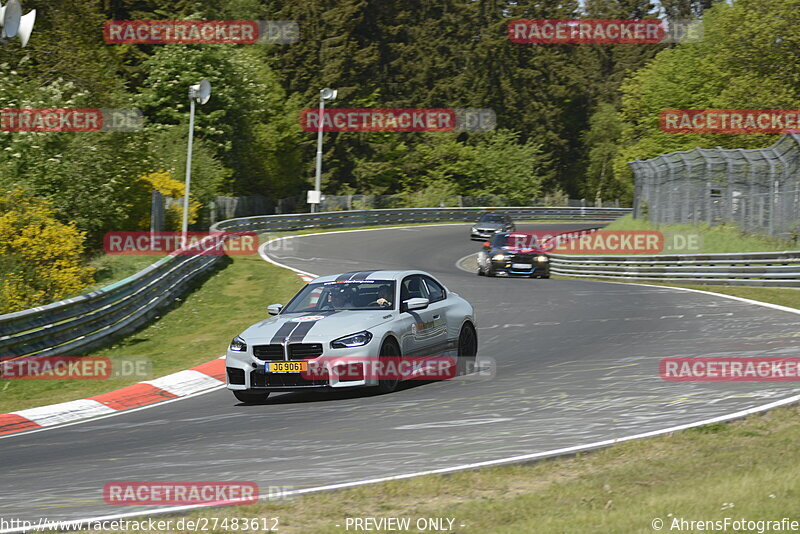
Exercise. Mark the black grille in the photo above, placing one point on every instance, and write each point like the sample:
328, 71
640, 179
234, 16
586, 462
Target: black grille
298, 351
268, 352
235, 376
261, 379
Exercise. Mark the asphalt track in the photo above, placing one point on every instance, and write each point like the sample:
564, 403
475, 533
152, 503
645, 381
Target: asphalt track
576, 362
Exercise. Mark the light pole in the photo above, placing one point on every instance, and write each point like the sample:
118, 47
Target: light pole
15, 23
324, 94
200, 93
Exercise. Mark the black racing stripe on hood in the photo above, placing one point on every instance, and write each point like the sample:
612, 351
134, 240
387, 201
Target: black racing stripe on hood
285, 329
300, 332
362, 275
345, 276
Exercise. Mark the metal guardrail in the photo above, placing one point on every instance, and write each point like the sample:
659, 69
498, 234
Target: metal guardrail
89, 321
81, 324
343, 219
743, 269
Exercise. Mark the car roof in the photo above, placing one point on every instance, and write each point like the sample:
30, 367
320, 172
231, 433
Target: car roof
368, 275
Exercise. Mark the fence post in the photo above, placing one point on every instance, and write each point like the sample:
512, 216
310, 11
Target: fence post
156, 212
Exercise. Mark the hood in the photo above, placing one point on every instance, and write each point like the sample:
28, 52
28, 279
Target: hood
525, 251
314, 327
488, 225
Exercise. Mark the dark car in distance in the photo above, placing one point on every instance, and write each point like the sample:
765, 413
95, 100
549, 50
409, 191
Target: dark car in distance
491, 223
514, 254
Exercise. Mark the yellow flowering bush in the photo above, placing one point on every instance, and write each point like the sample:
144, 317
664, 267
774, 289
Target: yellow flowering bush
40, 257
163, 182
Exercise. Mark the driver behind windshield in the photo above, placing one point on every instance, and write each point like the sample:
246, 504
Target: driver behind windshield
384, 299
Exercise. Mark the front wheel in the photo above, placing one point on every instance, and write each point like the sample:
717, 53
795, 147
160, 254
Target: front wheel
467, 350
389, 349
250, 396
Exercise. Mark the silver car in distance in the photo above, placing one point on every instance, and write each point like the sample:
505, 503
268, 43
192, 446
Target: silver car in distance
346, 330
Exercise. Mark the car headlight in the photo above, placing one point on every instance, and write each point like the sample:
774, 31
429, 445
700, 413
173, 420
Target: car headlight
474, 230
353, 340
542, 258
238, 344
498, 257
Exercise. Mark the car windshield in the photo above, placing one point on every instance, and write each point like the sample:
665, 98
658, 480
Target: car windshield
491, 218
499, 240
344, 295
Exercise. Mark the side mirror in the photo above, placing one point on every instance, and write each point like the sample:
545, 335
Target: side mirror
415, 304
274, 309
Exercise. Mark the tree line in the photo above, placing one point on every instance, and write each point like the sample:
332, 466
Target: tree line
569, 116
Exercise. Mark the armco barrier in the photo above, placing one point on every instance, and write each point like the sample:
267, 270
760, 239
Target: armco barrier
78, 325
743, 269
342, 219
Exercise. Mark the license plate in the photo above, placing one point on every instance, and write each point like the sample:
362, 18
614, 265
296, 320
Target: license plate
286, 367
520, 266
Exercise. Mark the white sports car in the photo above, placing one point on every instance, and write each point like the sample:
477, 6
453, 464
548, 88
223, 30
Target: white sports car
367, 328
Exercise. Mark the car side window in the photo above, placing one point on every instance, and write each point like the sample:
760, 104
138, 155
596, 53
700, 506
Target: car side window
435, 290
413, 287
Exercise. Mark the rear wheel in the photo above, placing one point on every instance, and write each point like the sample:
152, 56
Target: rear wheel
250, 396
389, 349
467, 349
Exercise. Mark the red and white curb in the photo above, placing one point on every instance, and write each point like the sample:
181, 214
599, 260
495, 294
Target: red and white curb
204, 377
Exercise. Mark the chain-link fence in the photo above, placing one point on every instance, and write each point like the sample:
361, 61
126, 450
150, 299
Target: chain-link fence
757, 189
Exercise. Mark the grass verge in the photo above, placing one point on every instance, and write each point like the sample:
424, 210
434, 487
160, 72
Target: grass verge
745, 469
195, 330
723, 238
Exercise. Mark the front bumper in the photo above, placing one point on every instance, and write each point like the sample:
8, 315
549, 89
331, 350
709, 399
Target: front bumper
534, 268
482, 234
244, 371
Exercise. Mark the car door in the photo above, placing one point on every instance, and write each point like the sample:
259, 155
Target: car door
439, 306
425, 327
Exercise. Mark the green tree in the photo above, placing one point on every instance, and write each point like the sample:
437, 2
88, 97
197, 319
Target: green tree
747, 59
40, 257
249, 123
601, 140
